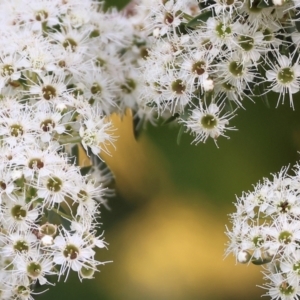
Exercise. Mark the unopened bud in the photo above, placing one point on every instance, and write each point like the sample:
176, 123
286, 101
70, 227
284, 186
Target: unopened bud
47, 240
243, 257
208, 85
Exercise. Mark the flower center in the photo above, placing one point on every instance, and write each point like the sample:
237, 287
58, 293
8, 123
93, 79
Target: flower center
209, 121
296, 267
223, 30
54, 184
129, 86
41, 15
70, 44
71, 251
49, 92
246, 42
236, 68
199, 67
34, 269
82, 195
284, 206
16, 130
169, 19
7, 70
96, 88
285, 237
18, 212
286, 75
258, 241
286, 289
21, 246
178, 86
47, 125
35, 163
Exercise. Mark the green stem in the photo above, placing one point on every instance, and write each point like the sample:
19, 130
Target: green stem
62, 214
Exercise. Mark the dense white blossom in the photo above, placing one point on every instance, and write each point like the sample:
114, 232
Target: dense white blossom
266, 231
67, 66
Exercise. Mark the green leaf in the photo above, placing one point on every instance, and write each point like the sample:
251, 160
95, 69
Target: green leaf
199, 19
53, 217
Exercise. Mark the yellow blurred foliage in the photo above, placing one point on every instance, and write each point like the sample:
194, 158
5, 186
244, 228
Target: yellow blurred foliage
169, 248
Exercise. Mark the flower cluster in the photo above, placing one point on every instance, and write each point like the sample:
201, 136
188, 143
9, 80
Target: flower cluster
67, 65
64, 66
203, 58
266, 231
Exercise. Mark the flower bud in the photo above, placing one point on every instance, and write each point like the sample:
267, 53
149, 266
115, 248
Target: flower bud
243, 257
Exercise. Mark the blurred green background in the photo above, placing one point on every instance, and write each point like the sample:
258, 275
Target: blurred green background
166, 225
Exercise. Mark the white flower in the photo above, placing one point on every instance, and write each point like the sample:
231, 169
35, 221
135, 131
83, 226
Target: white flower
72, 252
254, 242
284, 77
41, 13
250, 43
197, 64
280, 288
49, 90
36, 267
227, 91
37, 50
17, 126
19, 243
61, 183
291, 267
95, 132
72, 39
10, 67
283, 236
165, 15
207, 122
221, 31
40, 162
256, 16
50, 123
236, 71
86, 198
19, 215
100, 89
